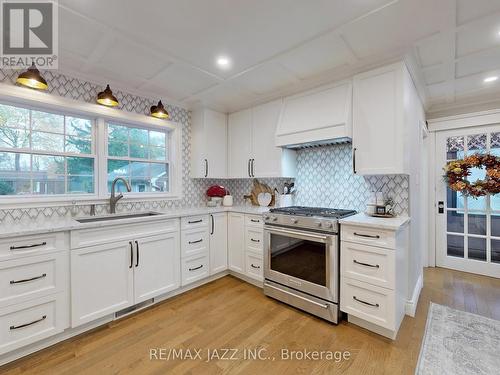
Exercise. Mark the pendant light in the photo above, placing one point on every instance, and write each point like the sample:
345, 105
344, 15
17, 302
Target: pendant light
32, 78
107, 98
159, 111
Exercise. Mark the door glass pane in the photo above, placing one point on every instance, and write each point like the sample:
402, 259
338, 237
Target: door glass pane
495, 251
454, 148
476, 204
476, 143
454, 199
495, 144
455, 222
477, 248
477, 224
305, 260
455, 246
495, 224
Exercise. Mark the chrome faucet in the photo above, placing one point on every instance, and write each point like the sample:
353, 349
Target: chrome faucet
113, 200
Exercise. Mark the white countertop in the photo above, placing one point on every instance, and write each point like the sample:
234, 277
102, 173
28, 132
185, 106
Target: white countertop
59, 224
363, 220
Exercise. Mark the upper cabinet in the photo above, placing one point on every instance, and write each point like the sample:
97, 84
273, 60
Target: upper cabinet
252, 148
208, 144
382, 117
317, 116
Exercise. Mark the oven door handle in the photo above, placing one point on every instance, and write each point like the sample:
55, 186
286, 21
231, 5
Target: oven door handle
302, 235
323, 305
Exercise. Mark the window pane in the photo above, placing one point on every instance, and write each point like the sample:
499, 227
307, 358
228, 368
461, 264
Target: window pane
48, 142
141, 185
49, 122
139, 169
477, 248
159, 177
138, 151
80, 184
14, 117
119, 187
454, 148
45, 184
455, 246
10, 161
139, 136
157, 139
118, 168
495, 144
78, 145
79, 127
495, 224
477, 224
495, 251
117, 149
476, 204
476, 143
455, 222
157, 153
80, 166
15, 183
47, 165
454, 199
14, 138
118, 133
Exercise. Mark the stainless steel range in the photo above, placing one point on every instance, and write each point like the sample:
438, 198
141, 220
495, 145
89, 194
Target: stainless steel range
301, 258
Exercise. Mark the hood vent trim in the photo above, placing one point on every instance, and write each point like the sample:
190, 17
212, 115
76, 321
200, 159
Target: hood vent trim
318, 144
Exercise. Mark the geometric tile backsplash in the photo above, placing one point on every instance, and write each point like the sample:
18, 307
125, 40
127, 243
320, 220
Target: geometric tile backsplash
324, 176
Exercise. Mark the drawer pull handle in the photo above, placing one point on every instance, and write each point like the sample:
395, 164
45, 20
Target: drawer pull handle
255, 220
26, 280
28, 246
254, 240
366, 235
195, 221
196, 268
197, 241
365, 303
366, 264
254, 266
28, 324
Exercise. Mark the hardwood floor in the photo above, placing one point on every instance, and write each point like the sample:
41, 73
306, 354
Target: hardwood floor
229, 313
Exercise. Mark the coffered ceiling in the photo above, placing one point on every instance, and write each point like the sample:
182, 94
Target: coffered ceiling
168, 48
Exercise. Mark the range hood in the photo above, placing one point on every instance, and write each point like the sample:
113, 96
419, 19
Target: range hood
317, 117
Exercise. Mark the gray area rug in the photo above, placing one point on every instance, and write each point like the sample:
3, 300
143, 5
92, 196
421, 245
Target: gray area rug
457, 342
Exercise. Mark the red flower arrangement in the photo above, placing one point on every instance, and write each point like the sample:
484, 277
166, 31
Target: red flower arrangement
457, 172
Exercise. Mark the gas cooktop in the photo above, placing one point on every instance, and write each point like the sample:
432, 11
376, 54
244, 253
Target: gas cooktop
313, 211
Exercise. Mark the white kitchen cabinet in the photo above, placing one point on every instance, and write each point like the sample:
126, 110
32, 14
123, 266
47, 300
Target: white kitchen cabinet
218, 242
252, 149
208, 144
236, 242
102, 280
381, 120
157, 266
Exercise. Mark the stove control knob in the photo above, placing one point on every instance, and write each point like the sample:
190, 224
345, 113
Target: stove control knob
319, 224
266, 218
274, 218
329, 225
294, 221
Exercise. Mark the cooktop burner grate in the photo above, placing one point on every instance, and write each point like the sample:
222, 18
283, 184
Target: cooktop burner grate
313, 211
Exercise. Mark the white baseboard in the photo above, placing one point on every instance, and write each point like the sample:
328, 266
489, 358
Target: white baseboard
411, 305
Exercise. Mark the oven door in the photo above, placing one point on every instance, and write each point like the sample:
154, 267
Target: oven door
305, 261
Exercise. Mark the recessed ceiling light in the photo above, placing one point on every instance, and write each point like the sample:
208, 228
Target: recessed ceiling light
490, 79
223, 62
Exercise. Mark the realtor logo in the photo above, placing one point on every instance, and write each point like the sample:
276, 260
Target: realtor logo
29, 34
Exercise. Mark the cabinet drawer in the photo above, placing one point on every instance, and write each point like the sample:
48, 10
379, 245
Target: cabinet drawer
254, 221
194, 222
368, 236
254, 266
254, 238
17, 247
32, 321
194, 242
373, 265
33, 277
195, 268
368, 302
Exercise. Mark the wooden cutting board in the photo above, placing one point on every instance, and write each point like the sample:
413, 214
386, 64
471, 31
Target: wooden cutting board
259, 187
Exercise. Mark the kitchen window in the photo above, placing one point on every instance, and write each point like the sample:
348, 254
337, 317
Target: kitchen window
140, 155
45, 154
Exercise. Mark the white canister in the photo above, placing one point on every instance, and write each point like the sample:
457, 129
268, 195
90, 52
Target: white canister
380, 199
227, 201
284, 200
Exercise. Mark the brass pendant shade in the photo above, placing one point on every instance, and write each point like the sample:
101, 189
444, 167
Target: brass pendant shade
159, 111
32, 78
107, 98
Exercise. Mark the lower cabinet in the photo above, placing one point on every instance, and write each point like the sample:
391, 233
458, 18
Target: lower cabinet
218, 242
107, 278
195, 268
236, 242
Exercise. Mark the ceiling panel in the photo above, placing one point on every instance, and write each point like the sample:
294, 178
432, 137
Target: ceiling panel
436, 74
440, 90
324, 53
430, 50
224, 97
478, 35
77, 34
468, 10
110, 75
475, 83
483, 61
266, 78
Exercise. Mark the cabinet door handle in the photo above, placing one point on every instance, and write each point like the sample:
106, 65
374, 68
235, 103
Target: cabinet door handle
366, 264
366, 235
26, 280
354, 160
255, 221
213, 224
197, 241
254, 240
365, 303
131, 254
253, 163
137, 252
28, 324
195, 222
196, 268
249, 172
28, 246
254, 266
206, 167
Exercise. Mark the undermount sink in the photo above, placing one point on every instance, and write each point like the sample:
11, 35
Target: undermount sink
116, 217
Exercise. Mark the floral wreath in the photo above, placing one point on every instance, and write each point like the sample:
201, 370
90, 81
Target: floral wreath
457, 172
